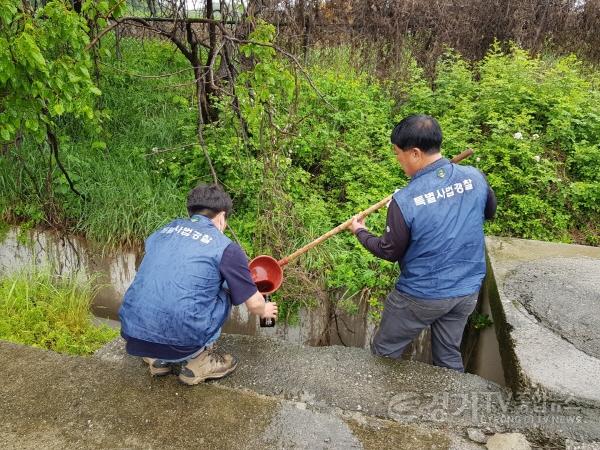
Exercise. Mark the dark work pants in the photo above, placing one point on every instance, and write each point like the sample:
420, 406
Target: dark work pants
405, 316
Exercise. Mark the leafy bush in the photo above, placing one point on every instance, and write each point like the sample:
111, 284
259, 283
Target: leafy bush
116, 170
534, 124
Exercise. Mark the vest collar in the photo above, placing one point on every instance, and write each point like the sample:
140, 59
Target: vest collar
199, 218
431, 167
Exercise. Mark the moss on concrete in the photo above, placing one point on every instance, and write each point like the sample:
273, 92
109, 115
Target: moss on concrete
84, 403
394, 435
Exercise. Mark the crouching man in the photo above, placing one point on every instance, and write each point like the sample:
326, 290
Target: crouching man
182, 294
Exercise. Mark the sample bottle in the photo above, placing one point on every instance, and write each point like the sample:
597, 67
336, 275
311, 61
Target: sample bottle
264, 323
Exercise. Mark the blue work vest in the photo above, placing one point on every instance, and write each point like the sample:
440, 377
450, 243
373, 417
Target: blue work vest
177, 296
443, 206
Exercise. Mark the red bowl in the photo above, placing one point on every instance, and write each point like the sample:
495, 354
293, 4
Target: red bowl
266, 273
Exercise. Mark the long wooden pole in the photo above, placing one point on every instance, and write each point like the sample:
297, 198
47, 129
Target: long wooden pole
362, 214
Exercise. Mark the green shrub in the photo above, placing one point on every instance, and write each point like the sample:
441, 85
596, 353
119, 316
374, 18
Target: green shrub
535, 126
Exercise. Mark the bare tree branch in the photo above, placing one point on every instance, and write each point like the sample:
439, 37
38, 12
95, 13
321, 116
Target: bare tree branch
291, 57
94, 41
53, 141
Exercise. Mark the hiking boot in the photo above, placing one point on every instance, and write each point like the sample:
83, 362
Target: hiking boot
158, 367
208, 365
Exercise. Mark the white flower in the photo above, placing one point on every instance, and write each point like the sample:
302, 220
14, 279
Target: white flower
535, 136
518, 135
537, 158
478, 159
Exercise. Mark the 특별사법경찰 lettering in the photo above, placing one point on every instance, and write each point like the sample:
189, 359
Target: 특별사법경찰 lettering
443, 193
188, 232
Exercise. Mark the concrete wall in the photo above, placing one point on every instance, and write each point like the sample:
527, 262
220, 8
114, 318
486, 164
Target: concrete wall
115, 271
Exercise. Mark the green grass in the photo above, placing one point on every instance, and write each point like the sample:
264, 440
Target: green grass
52, 313
126, 200
128, 195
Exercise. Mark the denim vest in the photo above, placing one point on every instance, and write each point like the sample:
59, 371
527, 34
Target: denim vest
177, 296
443, 206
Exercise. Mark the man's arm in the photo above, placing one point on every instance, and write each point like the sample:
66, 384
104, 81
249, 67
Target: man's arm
392, 245
490, 205
234, 268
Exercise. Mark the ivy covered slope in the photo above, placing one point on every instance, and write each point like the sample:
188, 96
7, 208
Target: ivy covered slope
306, 153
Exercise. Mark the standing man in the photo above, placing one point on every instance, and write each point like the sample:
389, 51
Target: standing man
434, 230
190, 276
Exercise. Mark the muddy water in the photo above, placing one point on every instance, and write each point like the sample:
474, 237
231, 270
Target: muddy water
264, 286
319, 326
485, 359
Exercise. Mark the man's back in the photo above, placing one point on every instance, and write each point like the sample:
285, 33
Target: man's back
443, 208
177, 296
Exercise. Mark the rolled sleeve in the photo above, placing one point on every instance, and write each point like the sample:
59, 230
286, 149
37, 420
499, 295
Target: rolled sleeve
234, 269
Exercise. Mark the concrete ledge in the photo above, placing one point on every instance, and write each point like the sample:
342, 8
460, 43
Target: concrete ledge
347, 378
534, 356
110, 401
53, 401
281, 396
406, 392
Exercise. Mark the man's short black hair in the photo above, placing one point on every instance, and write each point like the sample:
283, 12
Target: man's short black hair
420, 131
208, 200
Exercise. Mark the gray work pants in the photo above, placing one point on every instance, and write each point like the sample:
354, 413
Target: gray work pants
405, 316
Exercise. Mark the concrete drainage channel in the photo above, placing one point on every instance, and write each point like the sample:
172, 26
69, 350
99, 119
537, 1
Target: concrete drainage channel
319, 327
545, 352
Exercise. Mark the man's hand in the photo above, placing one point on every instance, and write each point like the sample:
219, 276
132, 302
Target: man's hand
257, 305
270, 311
357, 224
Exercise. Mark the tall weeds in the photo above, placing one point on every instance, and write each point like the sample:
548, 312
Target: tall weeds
50, 312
